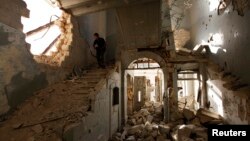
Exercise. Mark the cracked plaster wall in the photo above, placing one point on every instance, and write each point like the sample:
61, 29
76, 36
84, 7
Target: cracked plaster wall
20, 74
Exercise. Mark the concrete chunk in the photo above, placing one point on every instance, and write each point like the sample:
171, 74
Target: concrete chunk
182, 132
150, 118
135, 129
206, 116
188, 114
200, 132
154, 133
161, 138
132, 121
148, 104
150, 138
148, 126
164, 129
139, 121
195, 121
131, 138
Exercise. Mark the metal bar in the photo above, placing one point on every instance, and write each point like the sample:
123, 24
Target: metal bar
39, 28
51, 45
108, 4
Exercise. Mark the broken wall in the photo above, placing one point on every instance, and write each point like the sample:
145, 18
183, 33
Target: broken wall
128, 57
18, 71
227, 36
231, 49
232, 104
103, 121
130, 93
20, 74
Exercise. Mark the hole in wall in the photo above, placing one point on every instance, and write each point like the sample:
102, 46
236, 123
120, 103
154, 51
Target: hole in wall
40, 28
48, 31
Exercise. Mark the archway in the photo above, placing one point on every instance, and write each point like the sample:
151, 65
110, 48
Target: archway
147, 62
144, 83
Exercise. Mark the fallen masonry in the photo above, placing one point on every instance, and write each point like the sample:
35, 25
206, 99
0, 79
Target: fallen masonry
148, 125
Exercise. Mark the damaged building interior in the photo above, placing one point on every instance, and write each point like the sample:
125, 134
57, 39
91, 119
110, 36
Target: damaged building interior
173, 67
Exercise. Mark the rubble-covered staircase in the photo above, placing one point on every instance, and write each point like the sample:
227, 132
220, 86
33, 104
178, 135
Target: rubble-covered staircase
52, 111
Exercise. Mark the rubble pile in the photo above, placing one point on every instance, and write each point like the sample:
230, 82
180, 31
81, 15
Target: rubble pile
151, 112
147, 125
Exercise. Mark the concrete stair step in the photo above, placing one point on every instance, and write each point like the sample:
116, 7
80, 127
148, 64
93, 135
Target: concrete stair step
107, 67
87, 86
95, 73
92, 83
98, 69
81, 91
91, 79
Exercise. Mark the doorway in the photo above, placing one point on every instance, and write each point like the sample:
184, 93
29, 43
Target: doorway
145, 84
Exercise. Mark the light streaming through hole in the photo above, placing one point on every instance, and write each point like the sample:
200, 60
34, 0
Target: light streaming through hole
41, 13
213, 5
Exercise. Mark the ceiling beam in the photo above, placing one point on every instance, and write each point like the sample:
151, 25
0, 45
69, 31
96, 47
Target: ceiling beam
68, 4
153, 68
78, 11
96, 8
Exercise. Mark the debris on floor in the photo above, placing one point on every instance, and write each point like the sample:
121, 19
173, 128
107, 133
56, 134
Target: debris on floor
49, 113
147, 125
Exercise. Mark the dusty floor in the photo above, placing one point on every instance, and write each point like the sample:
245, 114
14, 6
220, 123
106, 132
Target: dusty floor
53, 110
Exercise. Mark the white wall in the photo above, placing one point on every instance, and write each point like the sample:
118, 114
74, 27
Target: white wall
232, 105
150, 74
103, 121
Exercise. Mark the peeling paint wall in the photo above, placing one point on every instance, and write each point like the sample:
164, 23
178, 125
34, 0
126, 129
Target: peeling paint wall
229, 51
20, 74
129, 82
101, 123
233, 105
233, 54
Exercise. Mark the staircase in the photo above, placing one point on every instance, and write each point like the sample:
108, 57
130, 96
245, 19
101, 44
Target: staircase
55, 109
